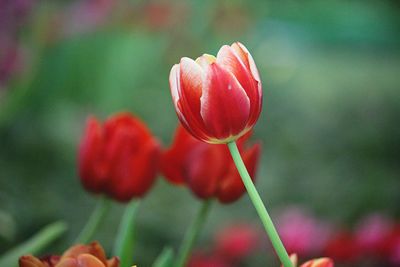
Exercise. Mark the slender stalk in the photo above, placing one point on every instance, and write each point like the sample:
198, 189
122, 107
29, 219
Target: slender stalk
259, 205
94, 221
124, 242
192, 234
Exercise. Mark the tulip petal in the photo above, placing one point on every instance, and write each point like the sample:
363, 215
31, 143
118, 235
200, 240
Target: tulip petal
174, 160
203, 177
30, 261
322, 262
231, 186
229, 59
225, 106
187, 114
68, 262
91, 167
87, 260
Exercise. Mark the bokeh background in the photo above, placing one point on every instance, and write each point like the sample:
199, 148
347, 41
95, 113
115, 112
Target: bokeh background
329, 128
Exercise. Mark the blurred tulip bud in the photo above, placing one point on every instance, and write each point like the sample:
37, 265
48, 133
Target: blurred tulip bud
92, 255
208, 170
119, 159
217, 99
342, 247
237, 241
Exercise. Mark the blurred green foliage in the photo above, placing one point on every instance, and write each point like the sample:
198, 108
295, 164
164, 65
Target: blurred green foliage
329, 127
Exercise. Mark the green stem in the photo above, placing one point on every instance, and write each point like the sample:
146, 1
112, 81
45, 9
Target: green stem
125, 238
192, 233
94, 221
259, 205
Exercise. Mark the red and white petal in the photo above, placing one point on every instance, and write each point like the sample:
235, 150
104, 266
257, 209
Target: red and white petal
229, 59
247, 59
225, 106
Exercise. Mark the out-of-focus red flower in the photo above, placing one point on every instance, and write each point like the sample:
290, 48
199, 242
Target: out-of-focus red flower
208, 170
203, 260
301, 233
119, 158
342, 247
237, 241
321, 262
217, 99
372, 235
91, 255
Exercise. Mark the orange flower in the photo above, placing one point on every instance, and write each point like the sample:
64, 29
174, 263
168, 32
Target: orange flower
91, 255
321, 262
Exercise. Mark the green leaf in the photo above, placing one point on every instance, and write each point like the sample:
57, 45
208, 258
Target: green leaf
165, 259
33, 245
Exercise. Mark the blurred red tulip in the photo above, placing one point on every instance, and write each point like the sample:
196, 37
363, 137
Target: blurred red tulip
207, 170
119, 158
237, 241
92, 255
217, 99
342, 247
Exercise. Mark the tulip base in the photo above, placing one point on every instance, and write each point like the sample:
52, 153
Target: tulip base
259, 206
192, 233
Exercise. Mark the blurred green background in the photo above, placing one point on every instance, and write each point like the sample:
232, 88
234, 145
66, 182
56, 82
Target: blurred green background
330, 124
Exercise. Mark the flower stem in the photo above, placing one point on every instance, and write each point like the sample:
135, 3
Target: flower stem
192, 233
94, 221
126, 235
259, 205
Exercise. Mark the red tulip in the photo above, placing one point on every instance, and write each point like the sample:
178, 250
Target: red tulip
217, 99
208, 170
118, 158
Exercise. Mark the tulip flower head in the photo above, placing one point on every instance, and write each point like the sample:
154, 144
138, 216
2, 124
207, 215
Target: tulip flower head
207, 169
119, 158
91, 255
217, 99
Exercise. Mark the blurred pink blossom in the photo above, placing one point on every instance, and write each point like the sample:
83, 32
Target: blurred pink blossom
85, 15
301, 233
372, 234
